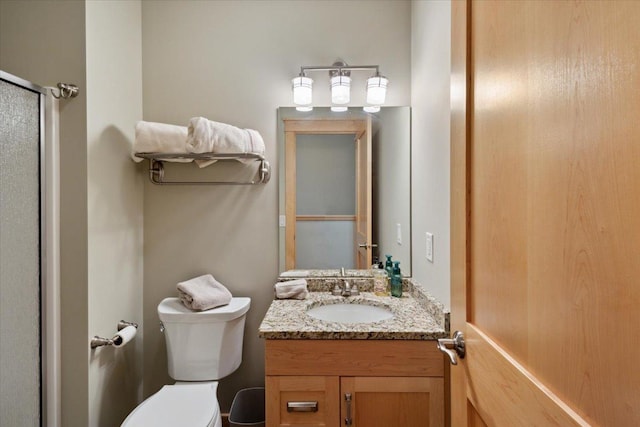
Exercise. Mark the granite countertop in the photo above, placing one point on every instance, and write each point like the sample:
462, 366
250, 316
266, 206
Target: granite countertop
349, 273
417, 316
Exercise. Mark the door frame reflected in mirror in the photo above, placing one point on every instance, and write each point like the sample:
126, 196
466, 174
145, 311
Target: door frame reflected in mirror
361, 130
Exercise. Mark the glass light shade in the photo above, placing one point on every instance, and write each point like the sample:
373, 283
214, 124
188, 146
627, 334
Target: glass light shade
338, 109
371, 108
304, 108
302, 90
340, 89
376, 90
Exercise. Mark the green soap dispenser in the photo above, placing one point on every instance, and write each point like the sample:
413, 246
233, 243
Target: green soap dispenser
388, 266
396, 280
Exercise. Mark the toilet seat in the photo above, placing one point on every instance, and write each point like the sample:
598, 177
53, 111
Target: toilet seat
183, 404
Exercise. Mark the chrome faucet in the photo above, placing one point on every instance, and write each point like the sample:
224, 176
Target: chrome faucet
346, 292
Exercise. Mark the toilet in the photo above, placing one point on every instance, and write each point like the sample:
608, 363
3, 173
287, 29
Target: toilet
202, 347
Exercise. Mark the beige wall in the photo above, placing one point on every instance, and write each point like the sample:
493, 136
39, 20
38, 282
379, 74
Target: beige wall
44, 42
233, 62
97, 46
430, 93
114, 105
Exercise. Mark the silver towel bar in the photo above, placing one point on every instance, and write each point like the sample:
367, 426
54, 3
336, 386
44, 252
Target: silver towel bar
156, 167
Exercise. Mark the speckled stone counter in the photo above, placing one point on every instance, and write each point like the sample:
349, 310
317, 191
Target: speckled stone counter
417, 315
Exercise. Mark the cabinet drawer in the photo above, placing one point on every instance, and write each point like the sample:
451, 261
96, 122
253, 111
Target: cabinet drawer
308, 401
393, 358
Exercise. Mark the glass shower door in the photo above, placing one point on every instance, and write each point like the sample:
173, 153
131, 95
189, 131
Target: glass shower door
21, 121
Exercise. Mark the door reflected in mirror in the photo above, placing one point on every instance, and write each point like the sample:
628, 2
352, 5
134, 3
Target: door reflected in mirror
345, 188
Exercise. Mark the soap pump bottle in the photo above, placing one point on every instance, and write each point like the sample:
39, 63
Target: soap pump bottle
396, 280
388, 267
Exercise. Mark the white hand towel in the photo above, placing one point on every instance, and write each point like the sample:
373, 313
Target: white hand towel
292, 289
203, 293
154, 137
207, 136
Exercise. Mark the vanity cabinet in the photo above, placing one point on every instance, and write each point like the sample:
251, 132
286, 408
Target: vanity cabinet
384, 383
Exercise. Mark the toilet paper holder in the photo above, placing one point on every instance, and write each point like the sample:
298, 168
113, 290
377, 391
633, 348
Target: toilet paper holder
117, 339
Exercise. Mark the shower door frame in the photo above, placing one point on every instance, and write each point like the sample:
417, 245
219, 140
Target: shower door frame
49, 244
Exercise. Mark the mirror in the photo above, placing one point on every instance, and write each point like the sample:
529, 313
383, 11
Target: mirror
325, 176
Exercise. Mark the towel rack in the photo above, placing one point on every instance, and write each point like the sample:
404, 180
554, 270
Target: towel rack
156, 167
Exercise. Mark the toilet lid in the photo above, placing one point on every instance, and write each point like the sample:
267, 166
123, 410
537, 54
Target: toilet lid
177, 405
172, 310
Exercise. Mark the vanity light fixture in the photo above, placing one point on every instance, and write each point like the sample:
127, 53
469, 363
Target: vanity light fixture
340, 84
302, 92
376, 89
341, 88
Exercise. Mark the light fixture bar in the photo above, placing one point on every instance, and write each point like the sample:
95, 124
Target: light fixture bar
339, 68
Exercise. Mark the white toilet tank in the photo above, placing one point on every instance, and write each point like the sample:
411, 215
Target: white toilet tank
203, 345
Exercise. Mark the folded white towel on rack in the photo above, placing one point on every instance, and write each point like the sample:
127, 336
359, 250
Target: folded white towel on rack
152, 137
207, 136
292, 289
203, 293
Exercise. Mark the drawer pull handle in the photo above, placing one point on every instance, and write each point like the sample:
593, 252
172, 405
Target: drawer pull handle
302, 406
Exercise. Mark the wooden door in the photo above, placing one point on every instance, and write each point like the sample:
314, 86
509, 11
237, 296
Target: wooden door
545, 212
393, 401
362, 238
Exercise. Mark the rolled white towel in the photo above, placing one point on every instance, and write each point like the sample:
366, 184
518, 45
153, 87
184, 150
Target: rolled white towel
292, 289
154, 137
203, 293
207, 136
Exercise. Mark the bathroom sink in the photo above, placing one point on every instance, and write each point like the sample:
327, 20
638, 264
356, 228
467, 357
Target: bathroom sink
350, 313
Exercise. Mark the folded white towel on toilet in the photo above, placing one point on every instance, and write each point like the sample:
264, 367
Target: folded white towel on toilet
207, 136
292, 289
203, 293
154, 137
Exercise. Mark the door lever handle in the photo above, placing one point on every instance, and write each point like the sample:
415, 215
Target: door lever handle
366, 246
453, 347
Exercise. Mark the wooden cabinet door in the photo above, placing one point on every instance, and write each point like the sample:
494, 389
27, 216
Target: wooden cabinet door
285, 391
545, 200
393, 401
